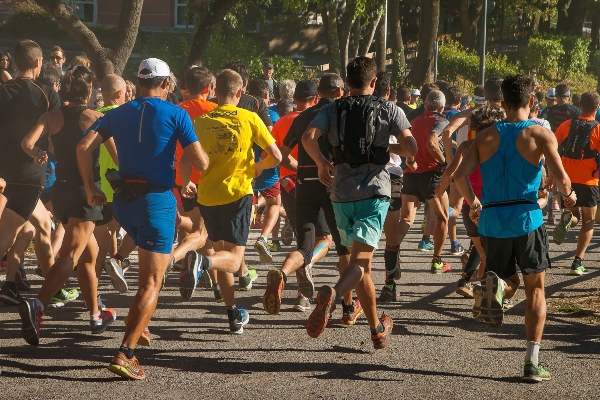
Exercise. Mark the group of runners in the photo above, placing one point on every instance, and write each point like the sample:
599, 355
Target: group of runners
336, 159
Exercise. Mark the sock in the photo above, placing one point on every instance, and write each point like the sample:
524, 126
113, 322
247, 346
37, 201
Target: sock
264, 237
391, 263
276, 241
205, 264
39, 304
502, 285
377, 330
450, 212
577, 262
127, 351
533, 350
472, 264
284, 277
436, 259
215, 287
233, 312
246, 274
95, 317
348, 308
454, 243
426, 238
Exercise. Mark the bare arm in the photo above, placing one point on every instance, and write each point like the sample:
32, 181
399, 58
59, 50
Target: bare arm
85, 148
310, 140
273, 158
461, 176
29, 141
197, 156
448, 174
406, 146
287, 160
189, 189
456, 122
433, 146
557, 171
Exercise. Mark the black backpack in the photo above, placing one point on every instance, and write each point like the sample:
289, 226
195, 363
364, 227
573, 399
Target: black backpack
357, 125
577, 145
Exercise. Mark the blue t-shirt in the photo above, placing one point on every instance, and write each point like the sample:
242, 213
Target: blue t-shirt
146, 131
274, 116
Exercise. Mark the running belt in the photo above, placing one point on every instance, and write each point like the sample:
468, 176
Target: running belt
506, 203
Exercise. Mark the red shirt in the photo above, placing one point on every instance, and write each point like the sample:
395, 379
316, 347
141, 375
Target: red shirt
280, 131
422, 127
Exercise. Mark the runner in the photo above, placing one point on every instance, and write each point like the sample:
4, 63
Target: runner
65, 126
225, 190
562, 110
511, 223
579, 143
361, 186
147, 210
58, 59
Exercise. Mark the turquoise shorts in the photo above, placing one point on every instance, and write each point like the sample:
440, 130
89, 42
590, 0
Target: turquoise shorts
361, 221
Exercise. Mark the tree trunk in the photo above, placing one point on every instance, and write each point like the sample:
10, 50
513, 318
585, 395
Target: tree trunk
380, 49
365, 44
330, 9
595, 33
421, 71
119, 50
396, 42
206, 28
578, 10
469, 20
562, 21
355, 39
344, 30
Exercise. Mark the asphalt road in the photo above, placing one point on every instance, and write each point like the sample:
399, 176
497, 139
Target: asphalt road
437, 350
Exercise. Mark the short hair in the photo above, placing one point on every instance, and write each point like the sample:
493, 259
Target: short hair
81, 60
454, 95
58, 48
240, 67
393, 94
150, 83
49, 76
485, 117
360, 72
540, 96
103, 68
590, 101
479, 91
26, 52
130, 85
77, 84
493, 89
284, 108
229, 82
443, 86
287, 87
517, 91
197, 79
435, 100
428, 87
384, 81
258, 88
563, 90
404, 94
10, 59
576, 99
330, 83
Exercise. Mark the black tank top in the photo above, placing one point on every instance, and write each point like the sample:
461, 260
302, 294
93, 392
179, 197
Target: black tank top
65, 148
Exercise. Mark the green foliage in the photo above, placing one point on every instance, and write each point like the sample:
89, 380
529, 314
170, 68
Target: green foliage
544, 55
227, 45
30, 19
594, 63
577, 54
285, 68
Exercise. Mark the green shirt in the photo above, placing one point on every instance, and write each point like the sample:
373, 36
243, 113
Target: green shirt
106, 162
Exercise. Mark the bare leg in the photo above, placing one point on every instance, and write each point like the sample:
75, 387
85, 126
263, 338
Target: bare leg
535, 313
271, 214
87, 275
587, 230
16, 254
42, 221
439, 207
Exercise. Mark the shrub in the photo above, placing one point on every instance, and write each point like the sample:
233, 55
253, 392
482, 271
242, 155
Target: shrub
30, 19
285, 68
544, 55
576, 55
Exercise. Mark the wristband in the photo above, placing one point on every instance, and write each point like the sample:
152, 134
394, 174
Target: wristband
567, 195
475, 208
411, 162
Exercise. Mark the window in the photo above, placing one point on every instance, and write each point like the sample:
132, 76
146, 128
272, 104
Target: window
182, 18
85, 10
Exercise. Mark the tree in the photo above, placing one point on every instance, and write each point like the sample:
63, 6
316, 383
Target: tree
421, 71
571, 16
396, 42
118, 50
470, 11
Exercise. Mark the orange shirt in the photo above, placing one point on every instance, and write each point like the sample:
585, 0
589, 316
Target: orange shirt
580, 171
195, 108
280, 131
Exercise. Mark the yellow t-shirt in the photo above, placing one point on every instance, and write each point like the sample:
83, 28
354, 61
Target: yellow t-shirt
106, 162
227, 134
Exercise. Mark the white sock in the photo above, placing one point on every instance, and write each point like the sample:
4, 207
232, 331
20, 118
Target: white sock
502, 285
39, 304
95, 317
533, 350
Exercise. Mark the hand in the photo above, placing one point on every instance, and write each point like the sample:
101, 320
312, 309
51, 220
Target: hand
41, 157
413, 166
475, 215
2, 185
326, 172
441, 189
95, 196
571, 200
189, 191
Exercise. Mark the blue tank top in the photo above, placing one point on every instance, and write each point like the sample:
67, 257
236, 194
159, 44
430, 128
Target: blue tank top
508, 176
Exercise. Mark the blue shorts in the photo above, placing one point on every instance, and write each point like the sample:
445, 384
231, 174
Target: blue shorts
361, 221
149, 220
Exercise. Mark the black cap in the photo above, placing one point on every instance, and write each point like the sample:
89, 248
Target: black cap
305, 89
268, 65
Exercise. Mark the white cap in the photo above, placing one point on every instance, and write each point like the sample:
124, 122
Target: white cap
158, 68
551, 94
416, 92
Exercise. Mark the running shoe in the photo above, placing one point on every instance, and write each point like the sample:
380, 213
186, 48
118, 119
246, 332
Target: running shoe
351, 314
507, 304
63, 297
464, 260
205, 280
21, 280
264, 253
188, 277
302, 303
31, 316
144, 339
101, 303
38, 271
126, 367
245, 282
10, 297
440, 267
306, 285
456, 250
274, 246
488, 300
114, 269
317, 321
535, 373
107, 317
389, 293
425, 246
381, 340
287, 233
272, 296
464, 288
577, 269
236, 325
217, 293
560, 232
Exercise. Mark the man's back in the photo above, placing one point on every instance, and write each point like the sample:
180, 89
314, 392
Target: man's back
583, 171
422, 126
559, 113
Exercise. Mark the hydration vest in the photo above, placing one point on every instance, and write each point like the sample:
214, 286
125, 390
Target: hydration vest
577, 144
358, 123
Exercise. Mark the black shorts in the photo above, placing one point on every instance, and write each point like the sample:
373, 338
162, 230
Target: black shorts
470, 226
396, 199
421, 185
107, 214
71, 202
228, 222
529, 252
188, 204
22, 199
46, 196
587, 196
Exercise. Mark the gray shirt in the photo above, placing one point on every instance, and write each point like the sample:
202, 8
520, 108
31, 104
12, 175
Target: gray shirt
368, 180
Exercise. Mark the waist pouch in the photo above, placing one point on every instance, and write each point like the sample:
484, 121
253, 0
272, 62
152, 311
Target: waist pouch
128, 189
